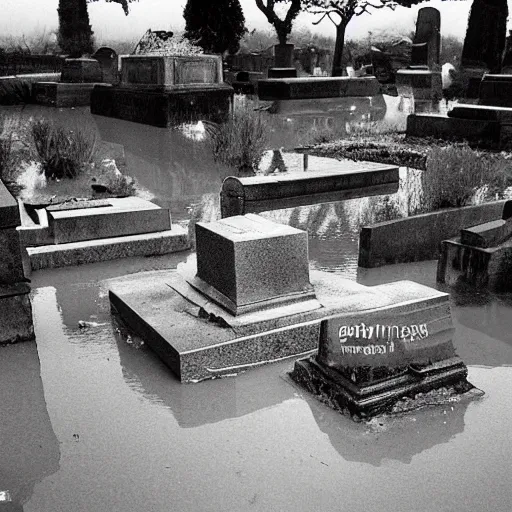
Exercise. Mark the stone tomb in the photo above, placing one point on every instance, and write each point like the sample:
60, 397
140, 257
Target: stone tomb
422, 79
250, 299
15, 307
166, 90
481, 256
74, 88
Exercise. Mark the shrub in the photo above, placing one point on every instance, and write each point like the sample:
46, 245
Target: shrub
15, 92
62, 152
241, 141
454, 174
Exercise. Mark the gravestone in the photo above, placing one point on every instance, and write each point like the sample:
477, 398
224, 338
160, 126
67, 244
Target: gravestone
426, 45
79, 71
422, 80
108, 59
484, 43
165, 90
481, 256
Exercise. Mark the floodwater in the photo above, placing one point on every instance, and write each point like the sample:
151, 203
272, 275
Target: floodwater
92, 421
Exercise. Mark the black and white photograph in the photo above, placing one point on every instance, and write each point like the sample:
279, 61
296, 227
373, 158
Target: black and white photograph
255, 255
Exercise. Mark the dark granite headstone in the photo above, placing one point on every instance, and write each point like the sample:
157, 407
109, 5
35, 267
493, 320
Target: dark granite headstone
108, 59
81, 71
485, 36
427, 40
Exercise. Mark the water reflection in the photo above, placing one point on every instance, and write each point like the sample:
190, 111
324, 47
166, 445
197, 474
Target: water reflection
194, 405
29, 449
389, 438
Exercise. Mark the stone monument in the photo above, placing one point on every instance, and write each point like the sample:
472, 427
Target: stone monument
74, 88
108, 59
481, 256
484, 43
249, 298
164, 90
15, 307
422, 80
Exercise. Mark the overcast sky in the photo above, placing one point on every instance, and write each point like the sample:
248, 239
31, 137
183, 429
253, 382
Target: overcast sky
108, 21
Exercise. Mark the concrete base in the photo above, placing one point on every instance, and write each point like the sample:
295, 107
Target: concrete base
364, 402
321, 87
80, 253
163, 107
199, 340
15, 314
484, 268
57, 94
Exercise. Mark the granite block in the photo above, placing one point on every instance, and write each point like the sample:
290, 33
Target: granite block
483, 268
489, 234
450, 128
81, 70
15, 314
9, 211
58, 94
80, 253
198, 344
282, 73
420, 235
31, 236
482, 113
312, 87
421, 84
250, 261
125, 216
11, 266
326, 180
163, 107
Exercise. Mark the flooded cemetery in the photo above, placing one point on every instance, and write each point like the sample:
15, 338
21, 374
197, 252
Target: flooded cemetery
235, 278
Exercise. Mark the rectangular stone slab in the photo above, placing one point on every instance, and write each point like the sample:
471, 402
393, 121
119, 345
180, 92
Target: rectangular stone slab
250, 261
198, 346
481, 112
56, 94
312, 87
15, 314
489, 234
124, 216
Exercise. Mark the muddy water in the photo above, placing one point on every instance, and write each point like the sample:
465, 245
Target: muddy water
93, 422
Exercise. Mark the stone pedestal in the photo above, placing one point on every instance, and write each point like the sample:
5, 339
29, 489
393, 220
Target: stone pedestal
79, 71
166, 90
282, 73
248, 263
283, 55
420, 84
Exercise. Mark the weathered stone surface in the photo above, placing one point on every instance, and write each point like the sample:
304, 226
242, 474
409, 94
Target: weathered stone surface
485, 36
124, 216
483, 268
15, 314
252, 262
420, 84
167, 71
81, 253
163, 108
11, 267
489, 234
450, 128
9, 211
57, 94
321, 87
420, 235
427, 40
108, 59
81, 71
496, 90
188, 336
481, 113
326, 180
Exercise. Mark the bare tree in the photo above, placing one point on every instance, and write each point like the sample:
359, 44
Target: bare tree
340, 12
282, 27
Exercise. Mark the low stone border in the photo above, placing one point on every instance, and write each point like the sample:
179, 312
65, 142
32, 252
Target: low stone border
418, 238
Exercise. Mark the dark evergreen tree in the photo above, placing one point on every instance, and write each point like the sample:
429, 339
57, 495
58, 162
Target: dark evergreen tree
214, 26
75, 33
